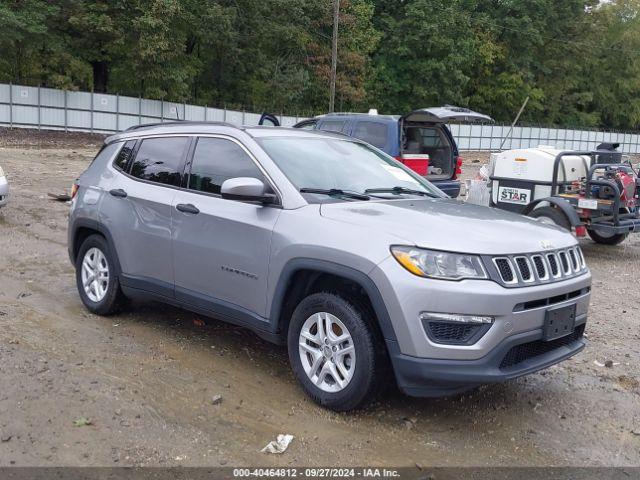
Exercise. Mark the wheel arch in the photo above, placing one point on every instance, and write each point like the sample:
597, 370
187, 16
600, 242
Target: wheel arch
302, 276
83, 229
564, 206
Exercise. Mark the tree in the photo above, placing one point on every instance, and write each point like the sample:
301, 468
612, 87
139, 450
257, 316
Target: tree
425, 55
614, 69
577, 60
24, 39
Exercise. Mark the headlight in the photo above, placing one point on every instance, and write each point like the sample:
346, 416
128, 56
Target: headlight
436, 264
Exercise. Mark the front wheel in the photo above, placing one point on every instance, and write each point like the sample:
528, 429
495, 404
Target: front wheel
334, 352
607, 238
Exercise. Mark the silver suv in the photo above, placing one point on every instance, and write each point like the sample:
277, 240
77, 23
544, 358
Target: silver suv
366, 271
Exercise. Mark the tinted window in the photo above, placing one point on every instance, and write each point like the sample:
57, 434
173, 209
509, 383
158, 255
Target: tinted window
216, 160
122, 160
372, 132
333, 125
160, 160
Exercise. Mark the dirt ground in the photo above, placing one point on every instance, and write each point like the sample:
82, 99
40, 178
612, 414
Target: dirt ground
144, 380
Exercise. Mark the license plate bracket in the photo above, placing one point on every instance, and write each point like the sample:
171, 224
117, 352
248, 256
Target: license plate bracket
559, 322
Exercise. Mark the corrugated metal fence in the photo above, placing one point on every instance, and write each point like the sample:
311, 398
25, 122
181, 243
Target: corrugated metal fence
489, 137
53, 109
47, 108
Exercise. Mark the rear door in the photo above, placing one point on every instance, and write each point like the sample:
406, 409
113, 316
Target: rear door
137, 210
221, 247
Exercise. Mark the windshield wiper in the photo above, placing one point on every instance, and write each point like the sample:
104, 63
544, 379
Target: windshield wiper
336, 192
401, 190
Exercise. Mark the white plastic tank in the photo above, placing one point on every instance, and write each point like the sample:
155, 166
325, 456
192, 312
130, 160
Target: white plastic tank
531, 170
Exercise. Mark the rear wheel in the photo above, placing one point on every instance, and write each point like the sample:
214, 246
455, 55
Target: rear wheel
333, 351
606, 238
96, 277
551, 216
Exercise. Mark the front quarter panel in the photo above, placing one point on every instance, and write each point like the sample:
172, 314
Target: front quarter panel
304, 234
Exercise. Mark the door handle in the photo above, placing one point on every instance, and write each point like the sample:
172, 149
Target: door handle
118, 192
187, 208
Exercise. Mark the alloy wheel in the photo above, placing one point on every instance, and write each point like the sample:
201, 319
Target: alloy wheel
327, 352
95, 274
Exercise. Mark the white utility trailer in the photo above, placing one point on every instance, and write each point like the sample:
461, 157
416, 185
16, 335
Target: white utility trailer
593, 192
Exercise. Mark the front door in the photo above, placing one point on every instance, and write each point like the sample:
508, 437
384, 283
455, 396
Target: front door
221, 247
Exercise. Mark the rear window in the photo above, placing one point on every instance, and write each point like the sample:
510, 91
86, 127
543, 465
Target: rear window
372, 132
160, 160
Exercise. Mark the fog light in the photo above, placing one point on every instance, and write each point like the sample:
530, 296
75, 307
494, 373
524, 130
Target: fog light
454, 317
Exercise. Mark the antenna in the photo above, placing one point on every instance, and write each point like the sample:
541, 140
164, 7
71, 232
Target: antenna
524, 104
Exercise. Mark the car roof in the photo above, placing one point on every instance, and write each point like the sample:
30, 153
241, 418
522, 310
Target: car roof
264, 131
203, 128
387, 118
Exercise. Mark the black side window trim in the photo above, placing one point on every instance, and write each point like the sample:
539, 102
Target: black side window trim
190, 142
187, 160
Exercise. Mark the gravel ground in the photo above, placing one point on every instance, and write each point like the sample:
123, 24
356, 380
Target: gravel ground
137, 388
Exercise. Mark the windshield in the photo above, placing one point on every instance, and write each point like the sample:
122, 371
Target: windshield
343, 165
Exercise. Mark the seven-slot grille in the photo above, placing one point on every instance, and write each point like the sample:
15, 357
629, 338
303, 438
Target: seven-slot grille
521, 270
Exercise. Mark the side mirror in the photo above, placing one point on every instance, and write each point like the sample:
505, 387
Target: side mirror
246, 189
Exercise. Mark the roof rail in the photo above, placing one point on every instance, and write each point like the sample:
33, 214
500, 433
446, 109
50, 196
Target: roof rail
181, 122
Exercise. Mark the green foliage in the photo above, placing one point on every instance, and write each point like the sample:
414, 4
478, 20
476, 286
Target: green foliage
577, 60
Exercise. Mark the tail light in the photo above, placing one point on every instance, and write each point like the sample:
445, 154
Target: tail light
74, 190
581, 231
417, 163
458, 168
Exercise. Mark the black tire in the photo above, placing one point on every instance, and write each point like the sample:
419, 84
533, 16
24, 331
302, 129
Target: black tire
114, 299
554, 215
607, 240
369, 351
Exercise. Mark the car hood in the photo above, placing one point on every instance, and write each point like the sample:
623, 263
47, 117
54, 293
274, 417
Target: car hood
451, 225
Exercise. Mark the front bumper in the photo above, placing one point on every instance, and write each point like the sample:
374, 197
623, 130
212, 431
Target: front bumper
422, 377
424, 367
406, 296
4, 191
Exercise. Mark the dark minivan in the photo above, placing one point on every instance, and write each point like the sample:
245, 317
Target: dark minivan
420, 139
